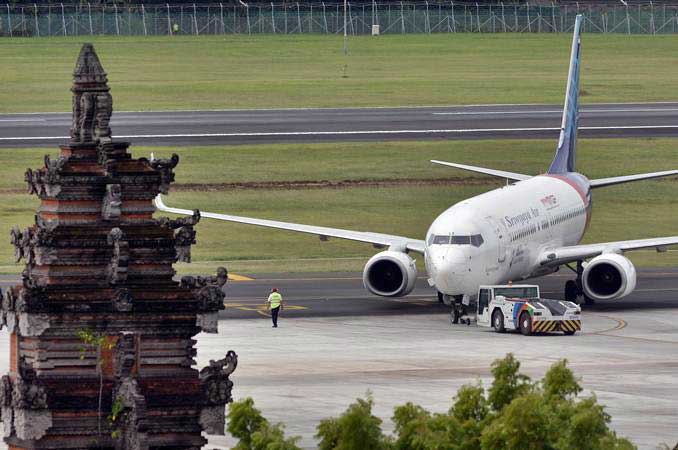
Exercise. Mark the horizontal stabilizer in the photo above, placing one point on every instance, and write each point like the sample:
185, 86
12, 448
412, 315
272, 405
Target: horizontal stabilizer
495, 173
601, 182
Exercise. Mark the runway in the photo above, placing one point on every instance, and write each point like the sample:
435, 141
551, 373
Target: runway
358, 124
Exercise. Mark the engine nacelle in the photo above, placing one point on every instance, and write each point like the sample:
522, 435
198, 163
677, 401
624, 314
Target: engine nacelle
609, 276
390, 274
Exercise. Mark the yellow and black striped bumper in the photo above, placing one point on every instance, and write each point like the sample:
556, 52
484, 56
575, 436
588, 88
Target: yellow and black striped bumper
548, 326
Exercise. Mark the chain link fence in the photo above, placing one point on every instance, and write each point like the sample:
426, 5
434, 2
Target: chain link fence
328, 18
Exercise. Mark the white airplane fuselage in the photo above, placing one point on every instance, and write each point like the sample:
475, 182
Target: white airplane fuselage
498, 236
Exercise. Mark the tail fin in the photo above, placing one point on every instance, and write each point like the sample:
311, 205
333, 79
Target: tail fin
564, 161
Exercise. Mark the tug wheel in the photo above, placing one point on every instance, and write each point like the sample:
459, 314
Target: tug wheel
525, 324
498, 321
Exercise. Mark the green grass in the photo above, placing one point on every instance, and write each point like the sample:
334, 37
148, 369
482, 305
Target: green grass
636, 210
597, 158
308, 70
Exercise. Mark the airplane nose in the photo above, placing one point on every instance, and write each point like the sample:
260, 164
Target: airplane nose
448, 269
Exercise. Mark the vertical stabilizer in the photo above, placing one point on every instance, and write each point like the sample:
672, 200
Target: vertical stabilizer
564, 161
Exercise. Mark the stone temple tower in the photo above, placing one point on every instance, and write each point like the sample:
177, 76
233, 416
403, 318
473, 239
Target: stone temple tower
101, 336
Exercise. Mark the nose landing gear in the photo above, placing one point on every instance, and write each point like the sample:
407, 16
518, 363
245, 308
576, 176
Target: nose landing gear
574, 288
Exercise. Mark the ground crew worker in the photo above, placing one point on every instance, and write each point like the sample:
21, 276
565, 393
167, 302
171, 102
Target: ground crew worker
275, 305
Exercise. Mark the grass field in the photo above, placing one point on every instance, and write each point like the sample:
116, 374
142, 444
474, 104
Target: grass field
308, 70
637, 210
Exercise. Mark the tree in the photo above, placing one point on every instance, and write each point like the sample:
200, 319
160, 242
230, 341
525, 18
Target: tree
559, 382
355, 429
246, 423
508, 382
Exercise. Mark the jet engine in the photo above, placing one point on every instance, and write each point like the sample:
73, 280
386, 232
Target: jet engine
609, 276
390, 274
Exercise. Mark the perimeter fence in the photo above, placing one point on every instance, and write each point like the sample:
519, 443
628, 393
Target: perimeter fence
328, 18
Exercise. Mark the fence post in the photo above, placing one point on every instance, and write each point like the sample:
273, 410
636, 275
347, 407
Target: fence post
272, 18
299, 18
143, 19
63, 19
402, 19
478, 16
195, 20
115, 11
169, 21
454, 21
503, 17
325, 19
221, 17
247, 13
9, 20
427, 22
652, 27
37, 25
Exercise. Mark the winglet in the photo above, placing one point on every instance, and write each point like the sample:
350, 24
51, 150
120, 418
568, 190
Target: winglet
564, 160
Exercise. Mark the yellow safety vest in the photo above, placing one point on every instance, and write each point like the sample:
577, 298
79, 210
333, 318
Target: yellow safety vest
275, 299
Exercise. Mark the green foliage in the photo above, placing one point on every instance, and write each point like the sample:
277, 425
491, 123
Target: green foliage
544, 415
355, 429
411, 421
508, 382
523, 425
559, 382
246, 423
272, 437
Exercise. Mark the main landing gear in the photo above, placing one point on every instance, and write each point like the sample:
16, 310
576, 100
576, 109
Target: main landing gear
574, 288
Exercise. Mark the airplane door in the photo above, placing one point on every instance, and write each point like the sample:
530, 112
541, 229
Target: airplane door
483, 315
501, 235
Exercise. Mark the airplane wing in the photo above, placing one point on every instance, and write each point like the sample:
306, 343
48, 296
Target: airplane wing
495, 173
377, 239
564, 255
601, 182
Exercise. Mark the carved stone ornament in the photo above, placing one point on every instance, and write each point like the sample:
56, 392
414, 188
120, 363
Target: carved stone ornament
123, 301
173, 224
110, 209
216, 384
92, 102
184, 237
26, 395
165, 167
125, 355
130, 423
117, 268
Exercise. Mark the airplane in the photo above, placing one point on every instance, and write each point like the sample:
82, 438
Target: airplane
525, 229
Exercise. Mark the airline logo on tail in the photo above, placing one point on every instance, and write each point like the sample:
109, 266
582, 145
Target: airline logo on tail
564, 161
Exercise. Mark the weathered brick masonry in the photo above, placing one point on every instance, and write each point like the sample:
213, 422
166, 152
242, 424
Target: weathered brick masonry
99, 265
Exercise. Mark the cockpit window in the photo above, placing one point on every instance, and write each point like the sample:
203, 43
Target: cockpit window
477, 240
441, 239
445, 239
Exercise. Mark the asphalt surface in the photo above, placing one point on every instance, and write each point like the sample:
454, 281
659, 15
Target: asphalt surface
356, 124
343, 294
